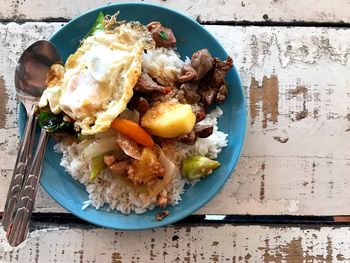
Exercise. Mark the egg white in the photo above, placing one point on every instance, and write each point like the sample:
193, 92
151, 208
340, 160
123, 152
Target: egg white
99, 77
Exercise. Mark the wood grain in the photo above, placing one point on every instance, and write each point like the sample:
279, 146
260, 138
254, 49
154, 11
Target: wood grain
295, 158
224, 243
203, 10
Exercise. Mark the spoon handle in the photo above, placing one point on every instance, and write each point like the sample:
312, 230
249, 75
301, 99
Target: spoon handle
18, 176
19, 227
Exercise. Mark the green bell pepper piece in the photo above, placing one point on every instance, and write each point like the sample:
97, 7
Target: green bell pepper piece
197, 166
97, 165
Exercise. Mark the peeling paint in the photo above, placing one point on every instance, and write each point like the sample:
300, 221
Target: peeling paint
36, 259
247, 257
249, 10
301, 115
329, 249
267, 94
340, 257
255, 244
281, 139
300, 90
348, 116
81, 255
116, 258
3, 103
215, 243
294, 251
313, 178
262, 183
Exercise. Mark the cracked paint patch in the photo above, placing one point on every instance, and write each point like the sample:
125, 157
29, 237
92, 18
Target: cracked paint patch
3, 103
264, 98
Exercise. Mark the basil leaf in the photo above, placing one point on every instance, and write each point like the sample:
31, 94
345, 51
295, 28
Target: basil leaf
163, 35
98, 26
54, 123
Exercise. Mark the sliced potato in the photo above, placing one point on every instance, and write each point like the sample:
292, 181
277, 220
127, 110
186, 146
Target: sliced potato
169, 120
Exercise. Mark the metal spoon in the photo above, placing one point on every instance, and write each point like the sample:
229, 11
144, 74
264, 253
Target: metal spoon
30, 75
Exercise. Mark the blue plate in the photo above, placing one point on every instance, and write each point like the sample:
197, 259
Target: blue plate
191, 37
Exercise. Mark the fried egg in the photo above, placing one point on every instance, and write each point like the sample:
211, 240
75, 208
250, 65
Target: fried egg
99, 77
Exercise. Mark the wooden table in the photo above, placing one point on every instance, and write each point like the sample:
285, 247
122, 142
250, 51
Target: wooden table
288, 198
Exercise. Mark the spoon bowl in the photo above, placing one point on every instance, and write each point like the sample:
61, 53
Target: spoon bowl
31, 71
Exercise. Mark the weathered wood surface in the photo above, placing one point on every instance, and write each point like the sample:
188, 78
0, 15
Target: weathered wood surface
295, 159
203, 10
182, 244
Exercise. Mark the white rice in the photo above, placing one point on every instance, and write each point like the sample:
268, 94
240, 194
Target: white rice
162, 64
108, 190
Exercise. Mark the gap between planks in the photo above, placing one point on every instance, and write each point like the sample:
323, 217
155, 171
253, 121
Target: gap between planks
205, 23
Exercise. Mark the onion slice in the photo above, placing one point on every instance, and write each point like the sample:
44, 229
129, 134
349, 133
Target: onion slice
170, 168
129, 147
100, 146
171, 171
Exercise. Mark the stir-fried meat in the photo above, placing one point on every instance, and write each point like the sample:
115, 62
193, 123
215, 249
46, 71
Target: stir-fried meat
163, 36
200, 115
109, 159
188, 73
145, 84
161, 215
220, 70
208, 95
189, 138
140, 104
203, 131
162, 198
213, 86
222, 93
199, 131
130, 171
190, 93
157, 169
120, 167
202, 62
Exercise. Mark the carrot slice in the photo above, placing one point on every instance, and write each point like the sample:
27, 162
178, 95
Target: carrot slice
133, 131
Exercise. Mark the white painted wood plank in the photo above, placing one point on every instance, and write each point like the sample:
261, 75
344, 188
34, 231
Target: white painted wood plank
307, 72
182, 244
204, 10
